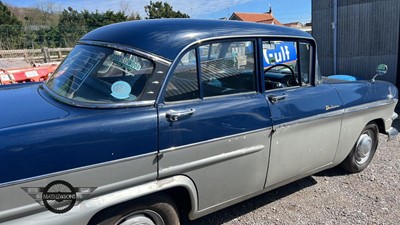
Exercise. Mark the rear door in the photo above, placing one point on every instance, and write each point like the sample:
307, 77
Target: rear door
214, 125
306, 118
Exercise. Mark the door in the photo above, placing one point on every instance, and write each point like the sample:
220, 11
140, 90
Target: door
306, 118
216, 131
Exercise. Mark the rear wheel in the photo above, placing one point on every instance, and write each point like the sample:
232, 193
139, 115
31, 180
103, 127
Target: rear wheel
363, 150
159, 210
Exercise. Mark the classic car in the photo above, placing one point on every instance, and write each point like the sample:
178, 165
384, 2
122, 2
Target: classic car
146, 122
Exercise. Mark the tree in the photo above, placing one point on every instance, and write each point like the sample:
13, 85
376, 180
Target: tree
134, 16
48, 37
125, 8
11, 29
71, 27
94, 20
74, 24
157, 10
49, 13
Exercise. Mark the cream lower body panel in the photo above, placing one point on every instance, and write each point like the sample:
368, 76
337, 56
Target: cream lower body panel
222, 169
18, 207
356, 118
303, 146
82, 213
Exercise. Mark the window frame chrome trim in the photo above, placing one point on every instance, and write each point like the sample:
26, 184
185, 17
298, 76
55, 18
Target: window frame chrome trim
94, 105
127, 49
114, 105
159, 99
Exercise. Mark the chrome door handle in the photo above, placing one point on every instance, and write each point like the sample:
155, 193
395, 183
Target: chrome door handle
275, 98
173, 115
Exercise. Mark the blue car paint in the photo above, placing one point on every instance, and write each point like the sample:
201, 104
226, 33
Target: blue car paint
303, 102
214, 118
355, 93
22, 104
78, 140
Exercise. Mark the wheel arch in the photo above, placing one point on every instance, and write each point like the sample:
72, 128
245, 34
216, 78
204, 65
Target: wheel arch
363, 150
351, 130
182, 193
380, 123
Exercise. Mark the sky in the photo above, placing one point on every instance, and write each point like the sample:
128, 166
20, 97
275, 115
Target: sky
283, 10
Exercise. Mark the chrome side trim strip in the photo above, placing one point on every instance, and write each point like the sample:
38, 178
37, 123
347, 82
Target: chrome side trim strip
209, 161
212, 140
312, 118
94, 105
339, 112
127, 49
370, 105
78, 169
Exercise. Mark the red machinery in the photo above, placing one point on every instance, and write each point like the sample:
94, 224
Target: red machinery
31, 74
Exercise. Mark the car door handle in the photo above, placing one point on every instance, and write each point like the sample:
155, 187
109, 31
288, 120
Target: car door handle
275, 98
173, 115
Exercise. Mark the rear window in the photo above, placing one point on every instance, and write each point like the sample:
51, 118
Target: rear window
95, 74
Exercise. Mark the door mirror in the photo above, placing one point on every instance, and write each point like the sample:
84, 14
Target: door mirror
380, 71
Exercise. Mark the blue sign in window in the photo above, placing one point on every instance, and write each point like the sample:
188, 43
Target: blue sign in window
280, 53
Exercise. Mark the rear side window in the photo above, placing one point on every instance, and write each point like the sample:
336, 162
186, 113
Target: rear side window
98, 75
225, 68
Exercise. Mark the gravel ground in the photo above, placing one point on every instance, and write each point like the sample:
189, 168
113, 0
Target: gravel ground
13, 63
329, 197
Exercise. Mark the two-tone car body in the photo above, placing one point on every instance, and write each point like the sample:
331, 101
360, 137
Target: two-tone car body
161, 116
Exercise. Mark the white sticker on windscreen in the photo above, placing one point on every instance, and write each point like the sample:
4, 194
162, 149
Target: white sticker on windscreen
125, 62
120, 90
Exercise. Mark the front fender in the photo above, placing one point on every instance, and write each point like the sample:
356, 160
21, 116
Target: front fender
82, 213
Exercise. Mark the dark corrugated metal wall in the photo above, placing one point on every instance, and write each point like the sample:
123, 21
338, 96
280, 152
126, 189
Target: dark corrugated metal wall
368, 34
323, 33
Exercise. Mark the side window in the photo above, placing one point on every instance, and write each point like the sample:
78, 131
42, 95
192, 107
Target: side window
183, 84
286, 64
227, 68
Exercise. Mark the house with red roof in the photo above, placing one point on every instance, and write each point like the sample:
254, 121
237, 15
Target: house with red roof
266, 18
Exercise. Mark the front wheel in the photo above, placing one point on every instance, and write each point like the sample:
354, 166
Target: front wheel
158, 210
363, 150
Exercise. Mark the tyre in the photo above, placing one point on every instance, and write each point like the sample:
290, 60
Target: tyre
363, 151
157, 210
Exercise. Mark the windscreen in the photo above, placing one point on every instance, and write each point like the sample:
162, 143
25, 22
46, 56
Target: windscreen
94, 74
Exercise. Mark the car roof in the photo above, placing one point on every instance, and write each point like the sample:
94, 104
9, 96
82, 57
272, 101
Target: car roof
167, 37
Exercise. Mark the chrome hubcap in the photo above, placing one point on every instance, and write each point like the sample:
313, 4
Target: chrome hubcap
364, 147
143, 217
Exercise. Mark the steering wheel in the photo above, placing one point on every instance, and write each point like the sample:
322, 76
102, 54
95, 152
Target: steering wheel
284, 65
289, 82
